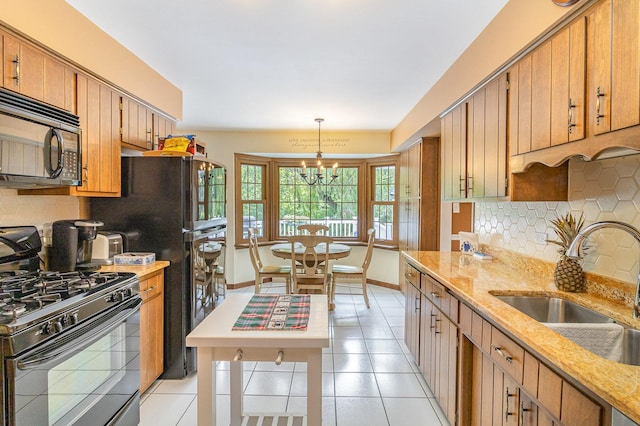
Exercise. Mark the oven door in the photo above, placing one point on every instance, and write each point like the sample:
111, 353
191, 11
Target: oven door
89, 375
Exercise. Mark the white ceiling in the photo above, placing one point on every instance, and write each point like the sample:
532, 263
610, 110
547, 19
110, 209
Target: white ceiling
278, 64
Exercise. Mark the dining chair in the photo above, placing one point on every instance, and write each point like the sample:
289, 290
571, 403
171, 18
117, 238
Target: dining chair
219, 277
309, 262
345, 272
263, 271
313, 229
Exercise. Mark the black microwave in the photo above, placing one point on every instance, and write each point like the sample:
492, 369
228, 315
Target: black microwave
40, 145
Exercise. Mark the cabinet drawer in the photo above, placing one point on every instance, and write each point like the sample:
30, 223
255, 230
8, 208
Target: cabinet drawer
151, 286
412, 276
507, 354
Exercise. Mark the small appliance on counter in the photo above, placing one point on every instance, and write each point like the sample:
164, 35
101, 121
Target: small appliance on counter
71, 244
19, 247
105, 247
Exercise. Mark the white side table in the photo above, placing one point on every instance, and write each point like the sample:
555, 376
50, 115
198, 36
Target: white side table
216, 341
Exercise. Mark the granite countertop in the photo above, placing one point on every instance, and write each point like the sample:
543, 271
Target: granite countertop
142, 271
474, 281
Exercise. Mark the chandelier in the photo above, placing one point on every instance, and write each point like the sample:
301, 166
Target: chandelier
318, 176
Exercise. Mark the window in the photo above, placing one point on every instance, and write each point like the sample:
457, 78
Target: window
383, 203
252, 196
272, 187
334, 205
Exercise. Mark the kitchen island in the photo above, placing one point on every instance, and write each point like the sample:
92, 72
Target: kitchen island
216, 340
483, 319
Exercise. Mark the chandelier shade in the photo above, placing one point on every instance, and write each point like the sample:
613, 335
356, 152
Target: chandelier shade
318, 176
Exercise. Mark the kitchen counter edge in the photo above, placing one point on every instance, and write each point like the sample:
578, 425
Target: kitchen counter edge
473, 281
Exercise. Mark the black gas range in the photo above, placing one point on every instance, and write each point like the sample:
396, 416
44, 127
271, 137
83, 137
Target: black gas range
37, 305
69, 342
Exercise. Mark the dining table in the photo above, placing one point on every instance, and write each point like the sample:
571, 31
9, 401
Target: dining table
336, 250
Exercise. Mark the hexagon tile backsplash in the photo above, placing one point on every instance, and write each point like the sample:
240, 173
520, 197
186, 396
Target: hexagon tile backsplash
603, 190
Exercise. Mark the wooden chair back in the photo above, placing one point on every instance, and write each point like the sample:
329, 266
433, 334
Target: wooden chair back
254, 253
309, 262
313, 229
367, 257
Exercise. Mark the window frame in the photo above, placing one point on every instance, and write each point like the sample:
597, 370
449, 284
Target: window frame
251, 160
372, 164
292, 163
271, 194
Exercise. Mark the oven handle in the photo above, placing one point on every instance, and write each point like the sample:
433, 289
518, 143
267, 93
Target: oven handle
53, 356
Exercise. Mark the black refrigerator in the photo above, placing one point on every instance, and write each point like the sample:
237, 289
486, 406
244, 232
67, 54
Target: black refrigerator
170, 205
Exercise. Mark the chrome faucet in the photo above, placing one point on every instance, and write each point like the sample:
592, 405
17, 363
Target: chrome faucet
574, 249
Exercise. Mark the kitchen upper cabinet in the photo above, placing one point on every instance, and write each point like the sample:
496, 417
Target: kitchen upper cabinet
162, 127
34, 73
568, 79
23, 68
474, 145
487, 141
547, 93
137, 124
59, 85
613, 34
454, 153
98, 109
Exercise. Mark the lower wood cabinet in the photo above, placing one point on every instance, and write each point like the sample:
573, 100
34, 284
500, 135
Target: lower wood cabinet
479, 374
151, 328
509, 386
432, 338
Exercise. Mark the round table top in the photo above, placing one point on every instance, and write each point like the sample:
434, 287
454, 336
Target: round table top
336, 250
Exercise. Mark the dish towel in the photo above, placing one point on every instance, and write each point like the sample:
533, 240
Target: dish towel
603, 339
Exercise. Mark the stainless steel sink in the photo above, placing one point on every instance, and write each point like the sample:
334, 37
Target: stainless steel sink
548, 309
631, 347
553, 309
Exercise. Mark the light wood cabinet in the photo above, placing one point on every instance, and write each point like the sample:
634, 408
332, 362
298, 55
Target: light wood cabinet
137, 124
34, 73
162, 127
431, 334
412, 312
474, 145
547, 92
151, 329
613, 66
98, 109
510, 386
454, 134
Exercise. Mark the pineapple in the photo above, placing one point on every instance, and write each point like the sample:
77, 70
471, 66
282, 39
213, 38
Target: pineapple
568, 274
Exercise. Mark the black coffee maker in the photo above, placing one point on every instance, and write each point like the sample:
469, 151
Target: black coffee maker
71, 245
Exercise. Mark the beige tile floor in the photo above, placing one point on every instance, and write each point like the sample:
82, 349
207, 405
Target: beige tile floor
368, 376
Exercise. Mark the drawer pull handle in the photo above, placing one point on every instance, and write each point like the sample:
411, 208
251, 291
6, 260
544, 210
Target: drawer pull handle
279, 357
503, 354
435, 295
238, 356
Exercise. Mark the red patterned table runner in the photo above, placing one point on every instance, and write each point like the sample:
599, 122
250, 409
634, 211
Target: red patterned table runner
275, 312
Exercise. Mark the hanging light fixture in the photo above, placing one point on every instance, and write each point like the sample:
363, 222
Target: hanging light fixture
318, 177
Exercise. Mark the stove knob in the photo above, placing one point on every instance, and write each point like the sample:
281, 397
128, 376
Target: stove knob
57, 326
73, 319
117, 297
46, 329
